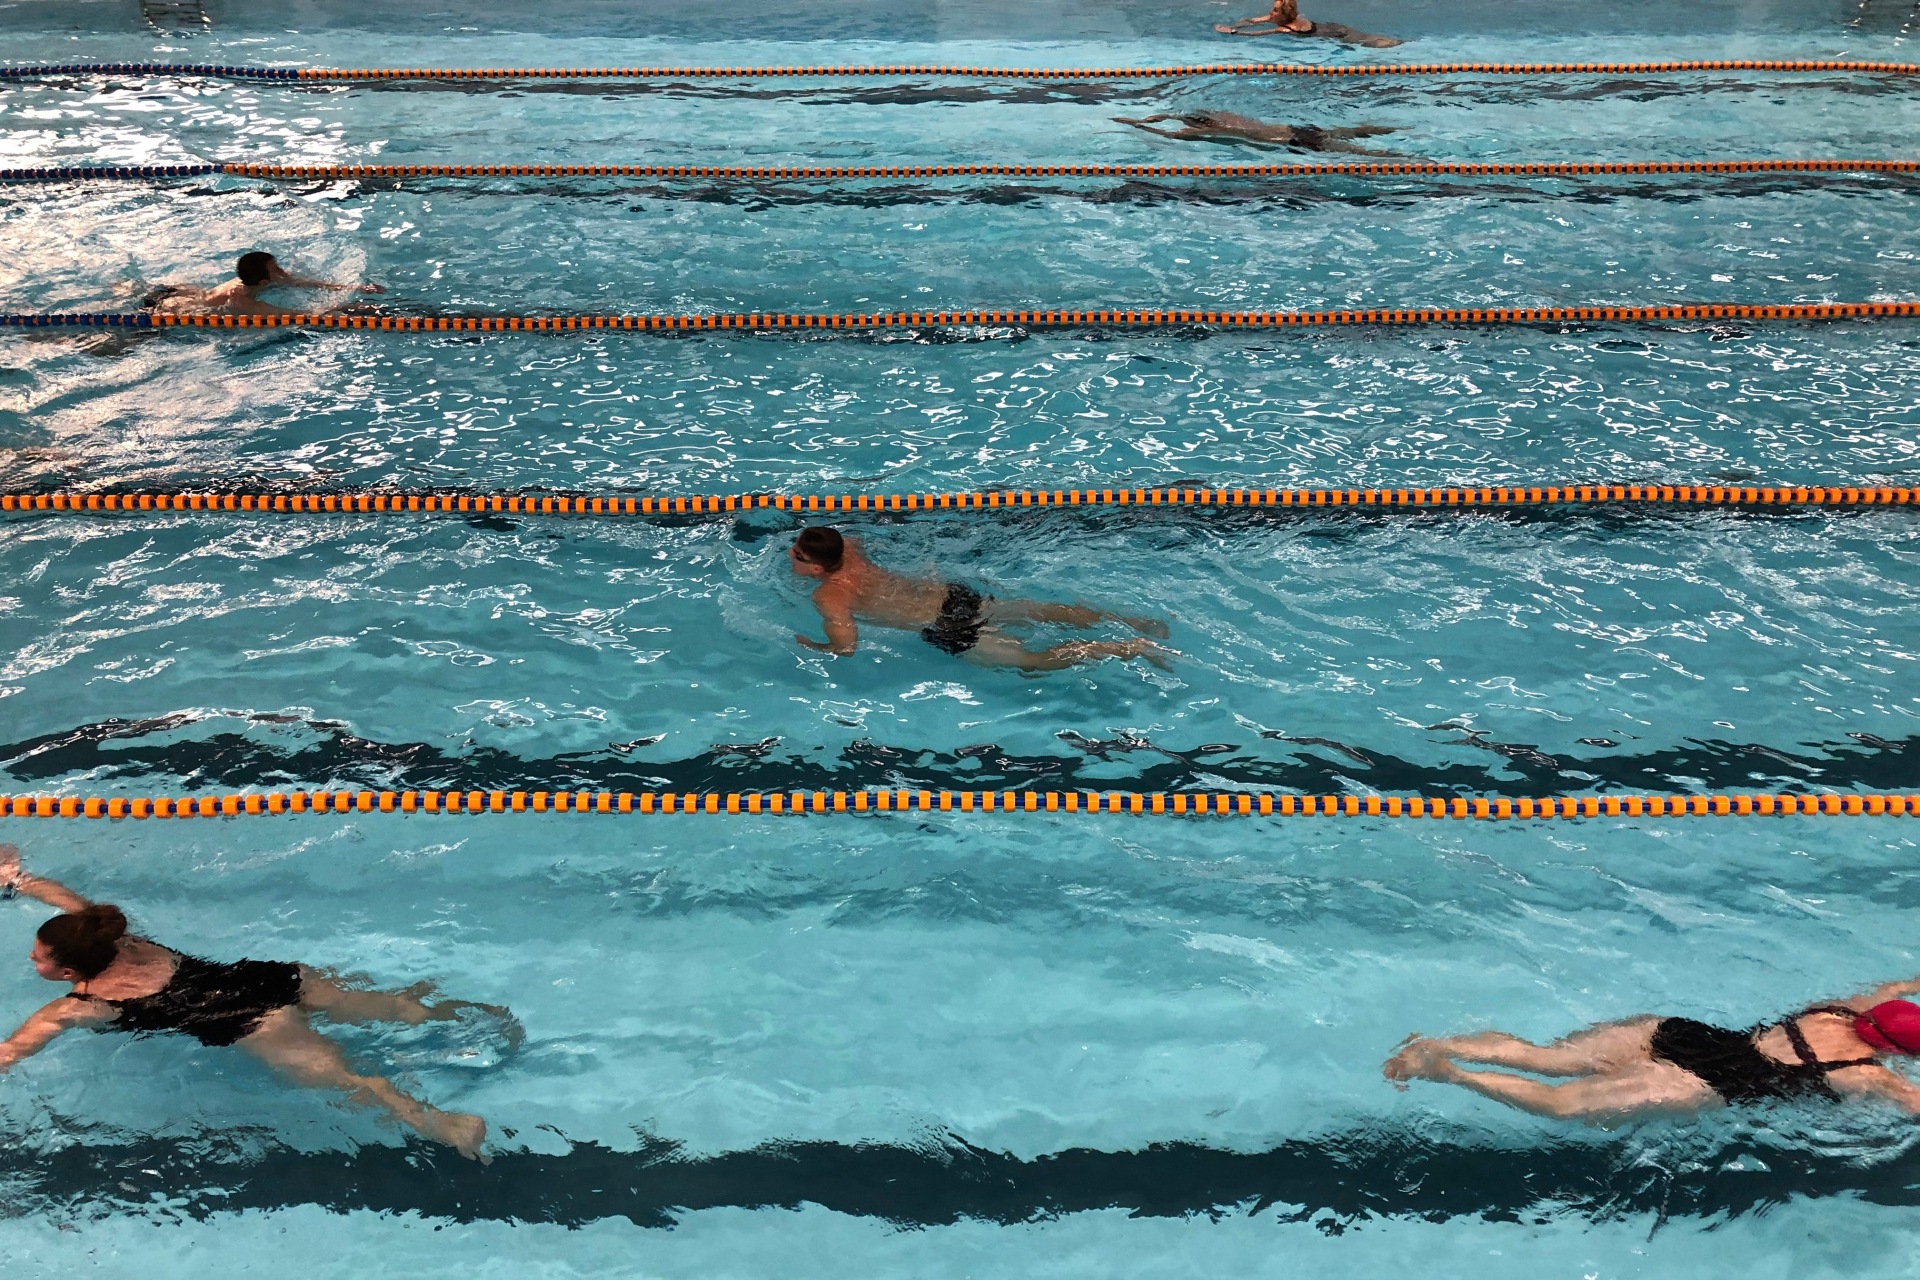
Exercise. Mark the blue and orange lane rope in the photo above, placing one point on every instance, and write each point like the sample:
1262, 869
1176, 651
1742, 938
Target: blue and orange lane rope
1196, 804
1458, 497
1131, 318
821, 173
34, 71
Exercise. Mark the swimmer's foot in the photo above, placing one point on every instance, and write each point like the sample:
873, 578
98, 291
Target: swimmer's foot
1147, 626
464, 1133
1146, 650
1419, 1058
452, 1010
512, 1034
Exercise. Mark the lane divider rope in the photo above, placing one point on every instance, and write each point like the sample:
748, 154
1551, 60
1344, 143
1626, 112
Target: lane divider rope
1461, 497
1138, 318
31, 71
1177, 804
814, 173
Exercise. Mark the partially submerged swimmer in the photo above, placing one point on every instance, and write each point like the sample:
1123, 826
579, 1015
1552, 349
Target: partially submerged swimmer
1675, 1066
948, 615
240, 296
1284, 20
1225, 126
126, 983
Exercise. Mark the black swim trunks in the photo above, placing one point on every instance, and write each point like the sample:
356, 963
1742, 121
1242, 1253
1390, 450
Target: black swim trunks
958, 627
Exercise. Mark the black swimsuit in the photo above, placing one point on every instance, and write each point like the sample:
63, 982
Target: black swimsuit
1732, 1065
1347, 35
958, 627
216, 1004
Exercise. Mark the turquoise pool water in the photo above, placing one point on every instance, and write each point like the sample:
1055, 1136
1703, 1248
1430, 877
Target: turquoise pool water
966, 1045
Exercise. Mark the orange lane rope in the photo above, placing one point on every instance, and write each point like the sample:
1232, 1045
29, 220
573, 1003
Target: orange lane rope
1177, 803
337, 74
1137, 318
1459, 497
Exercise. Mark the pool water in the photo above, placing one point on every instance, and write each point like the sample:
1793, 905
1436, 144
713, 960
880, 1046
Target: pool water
962, 1044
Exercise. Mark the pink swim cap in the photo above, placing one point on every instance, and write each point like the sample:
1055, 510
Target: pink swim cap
1894, 1025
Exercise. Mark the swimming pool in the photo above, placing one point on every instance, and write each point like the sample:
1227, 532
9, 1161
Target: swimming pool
961, 1043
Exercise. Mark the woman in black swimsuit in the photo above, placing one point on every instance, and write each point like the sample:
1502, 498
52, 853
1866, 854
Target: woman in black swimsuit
1651, 1066
1284, 20
126, 983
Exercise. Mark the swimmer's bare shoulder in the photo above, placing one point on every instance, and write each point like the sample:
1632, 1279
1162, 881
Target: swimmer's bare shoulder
835, 595
205, 302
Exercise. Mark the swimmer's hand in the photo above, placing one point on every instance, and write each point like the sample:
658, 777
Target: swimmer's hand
813, 644
9, 863
370, 287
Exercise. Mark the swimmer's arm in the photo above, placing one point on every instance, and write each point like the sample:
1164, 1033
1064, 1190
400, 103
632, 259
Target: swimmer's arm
1144, 127
37, 1032
1248, 27
51, 892
307, 282
1880, 995
1879, 1082
842, 635
254, 307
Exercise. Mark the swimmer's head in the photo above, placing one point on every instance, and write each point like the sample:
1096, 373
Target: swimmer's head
817, 552
1284, 13
78, 945
256, 268
1892, 1026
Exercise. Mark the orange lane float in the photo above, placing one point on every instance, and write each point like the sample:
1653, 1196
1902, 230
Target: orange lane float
1195, 804
1457, 498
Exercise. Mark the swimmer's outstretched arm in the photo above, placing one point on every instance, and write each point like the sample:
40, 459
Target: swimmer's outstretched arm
1882, 1083
1882, 994
307, 282
1248, 27
40, 1030
842, 635
1146, 126
51, 892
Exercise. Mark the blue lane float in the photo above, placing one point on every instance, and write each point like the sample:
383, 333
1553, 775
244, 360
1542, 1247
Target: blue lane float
124, 172
42, 70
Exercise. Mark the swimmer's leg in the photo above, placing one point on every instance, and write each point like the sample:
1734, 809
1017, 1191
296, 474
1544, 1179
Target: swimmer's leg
1348, 149
285, 1042
1655, 1088
1609, 1047
1359, 131
1078, 616
321, 994
994, 650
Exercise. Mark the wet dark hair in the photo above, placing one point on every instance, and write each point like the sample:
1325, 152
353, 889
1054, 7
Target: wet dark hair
85, 941
255, 267
821, 546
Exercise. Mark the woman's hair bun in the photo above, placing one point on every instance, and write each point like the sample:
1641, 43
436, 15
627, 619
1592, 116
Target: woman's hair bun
107, 922
85, 941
